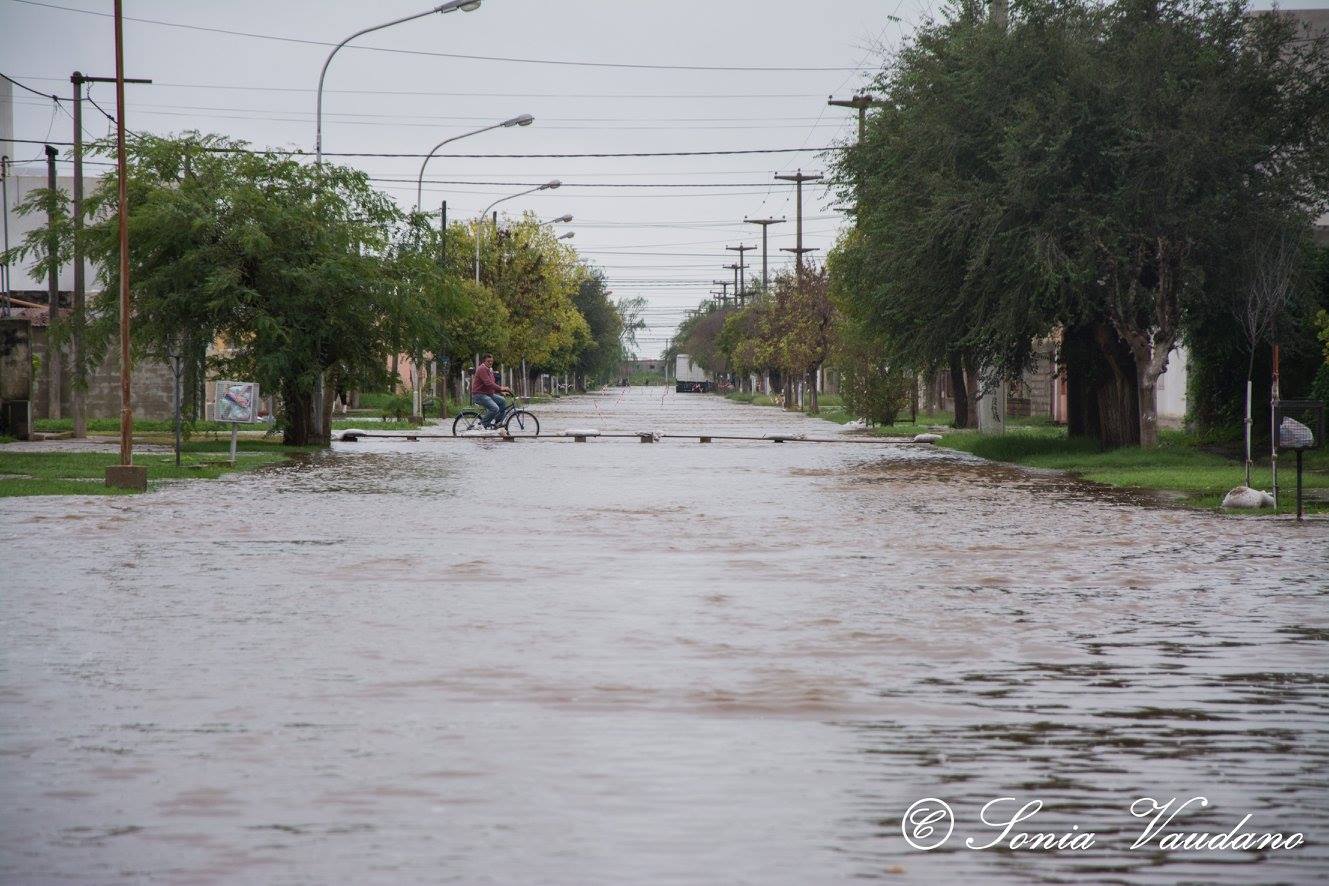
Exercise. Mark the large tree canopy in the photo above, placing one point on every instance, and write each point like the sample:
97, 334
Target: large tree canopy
1082, 166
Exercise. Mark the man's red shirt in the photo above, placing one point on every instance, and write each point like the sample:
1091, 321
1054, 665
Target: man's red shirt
484, 382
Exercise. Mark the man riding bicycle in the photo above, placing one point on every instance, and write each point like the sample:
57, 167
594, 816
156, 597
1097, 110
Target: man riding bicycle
486, 391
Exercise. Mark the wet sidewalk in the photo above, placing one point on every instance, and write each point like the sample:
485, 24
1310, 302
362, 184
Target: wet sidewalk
472, 661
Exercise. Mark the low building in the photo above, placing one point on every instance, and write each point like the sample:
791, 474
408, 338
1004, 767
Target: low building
25, 304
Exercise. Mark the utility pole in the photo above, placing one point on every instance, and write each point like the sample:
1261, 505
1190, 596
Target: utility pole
742, 250
861, 103
765, 226
79, 387
80, 361
443, 236
126, 474
724, 291
735, 268
52, 294
798, 179
1000, 12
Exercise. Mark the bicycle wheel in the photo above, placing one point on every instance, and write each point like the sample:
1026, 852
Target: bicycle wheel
466, 420
523, 424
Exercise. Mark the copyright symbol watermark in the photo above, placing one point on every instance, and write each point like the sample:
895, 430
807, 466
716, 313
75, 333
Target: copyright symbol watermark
924, 821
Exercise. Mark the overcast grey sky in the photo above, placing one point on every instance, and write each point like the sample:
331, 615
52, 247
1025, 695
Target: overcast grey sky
665, 243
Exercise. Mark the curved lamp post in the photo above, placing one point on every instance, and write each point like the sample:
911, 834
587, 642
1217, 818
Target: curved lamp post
568, 236
547, 186
523, 120
452, 6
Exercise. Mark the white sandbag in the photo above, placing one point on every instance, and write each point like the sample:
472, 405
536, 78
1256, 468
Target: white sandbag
1292, 434
927, 438
1245, 497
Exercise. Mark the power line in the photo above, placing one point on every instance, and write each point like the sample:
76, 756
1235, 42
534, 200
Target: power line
46, 95
434, 93
601, 155
436, 54
307, 117
574, 184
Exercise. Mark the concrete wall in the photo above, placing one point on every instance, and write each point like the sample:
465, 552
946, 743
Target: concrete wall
151, 393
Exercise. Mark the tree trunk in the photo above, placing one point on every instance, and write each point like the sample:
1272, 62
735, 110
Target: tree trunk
814, 403
298, 408
1101, 394
973, 388
1148, 369
959, 392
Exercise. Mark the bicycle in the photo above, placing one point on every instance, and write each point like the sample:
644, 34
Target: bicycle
514, 421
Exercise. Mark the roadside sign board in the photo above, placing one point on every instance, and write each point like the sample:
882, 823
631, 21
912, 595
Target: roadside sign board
237, 401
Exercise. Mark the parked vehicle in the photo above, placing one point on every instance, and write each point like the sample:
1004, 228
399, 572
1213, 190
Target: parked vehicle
689, 378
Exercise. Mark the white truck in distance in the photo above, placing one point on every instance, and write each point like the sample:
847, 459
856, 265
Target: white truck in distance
689, 378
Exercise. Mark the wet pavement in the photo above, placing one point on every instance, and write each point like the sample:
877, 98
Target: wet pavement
550, 662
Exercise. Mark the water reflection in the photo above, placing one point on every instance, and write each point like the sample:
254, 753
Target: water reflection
613, 662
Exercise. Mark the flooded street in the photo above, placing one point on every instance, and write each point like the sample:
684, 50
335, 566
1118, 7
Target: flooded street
604, 663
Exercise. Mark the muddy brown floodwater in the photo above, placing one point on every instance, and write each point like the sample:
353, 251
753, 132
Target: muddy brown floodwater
611, 663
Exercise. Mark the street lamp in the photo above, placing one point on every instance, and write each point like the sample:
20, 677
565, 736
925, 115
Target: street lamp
453, 6
568, 236
444, 9
479, 228
561, 220
523, 120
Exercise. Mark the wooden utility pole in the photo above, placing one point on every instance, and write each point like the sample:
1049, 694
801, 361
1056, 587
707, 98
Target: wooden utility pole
126, 474
736, 268
765, 226
443, 236
724, 291
741, 297
861, 103
798, 179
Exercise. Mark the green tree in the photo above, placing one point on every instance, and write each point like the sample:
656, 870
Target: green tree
536, 276
805, 318
1081, 169
279, 261
698, 336
603, 352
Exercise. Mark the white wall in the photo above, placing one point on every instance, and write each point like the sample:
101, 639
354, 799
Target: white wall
23, 182
6, 119
1172, 389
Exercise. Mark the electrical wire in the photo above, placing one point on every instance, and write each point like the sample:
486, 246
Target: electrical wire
635, 96
308, 117
413, 156
436, 54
